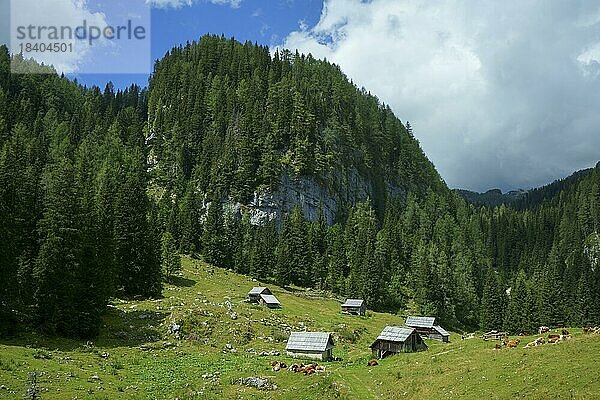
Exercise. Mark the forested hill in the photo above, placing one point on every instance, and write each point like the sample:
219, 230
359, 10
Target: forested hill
233, 120
522, 199
275, 166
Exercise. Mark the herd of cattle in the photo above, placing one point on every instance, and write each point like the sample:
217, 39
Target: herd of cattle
589, 329
305, 369
552, 338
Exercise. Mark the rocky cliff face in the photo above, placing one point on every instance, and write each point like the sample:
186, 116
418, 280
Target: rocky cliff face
342, 189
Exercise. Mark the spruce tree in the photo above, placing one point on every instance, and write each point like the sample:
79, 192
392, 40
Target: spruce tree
492, 303
171, 261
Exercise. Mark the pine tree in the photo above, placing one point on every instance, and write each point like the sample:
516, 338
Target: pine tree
213, 244
171, 261
136, 256
518, 312
492, 303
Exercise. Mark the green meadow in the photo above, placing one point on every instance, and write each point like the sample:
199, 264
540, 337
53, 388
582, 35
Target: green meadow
135, 356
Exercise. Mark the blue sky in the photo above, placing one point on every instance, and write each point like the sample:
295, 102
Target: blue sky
264, 21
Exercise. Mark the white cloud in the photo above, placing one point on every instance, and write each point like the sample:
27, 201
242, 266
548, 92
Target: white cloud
187, 3
42, 13
497, 91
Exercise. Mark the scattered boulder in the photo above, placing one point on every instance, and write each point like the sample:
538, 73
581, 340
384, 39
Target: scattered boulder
272, 353
257, 382
175, 329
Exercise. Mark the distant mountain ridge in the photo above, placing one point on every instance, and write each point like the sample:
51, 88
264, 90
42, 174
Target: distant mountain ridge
522, 199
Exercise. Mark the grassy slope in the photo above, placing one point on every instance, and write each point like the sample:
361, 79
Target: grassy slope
144, 362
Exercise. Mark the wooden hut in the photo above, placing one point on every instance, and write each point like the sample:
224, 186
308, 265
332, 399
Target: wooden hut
427, 328
313, 345
354, 307
269, 300
256, 292
495, 335
397, 339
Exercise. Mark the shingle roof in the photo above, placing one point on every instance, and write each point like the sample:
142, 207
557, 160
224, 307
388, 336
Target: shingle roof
441, 330
353, 303
309, 341
395, 333
420, 322
257, 290
269, 299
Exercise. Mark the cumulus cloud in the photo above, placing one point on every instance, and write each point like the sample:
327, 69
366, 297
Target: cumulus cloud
500, 94
43, 13
184, 3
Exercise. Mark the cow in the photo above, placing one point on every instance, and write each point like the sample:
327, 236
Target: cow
277, 366
537, 342
588, 329
554, 339
543, 329
372, 363
512, 343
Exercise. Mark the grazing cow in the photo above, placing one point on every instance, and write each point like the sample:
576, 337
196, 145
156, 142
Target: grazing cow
543, 329
588, 330
554, 339
512, 343
277, 366
540, 340
537, 342
372, 363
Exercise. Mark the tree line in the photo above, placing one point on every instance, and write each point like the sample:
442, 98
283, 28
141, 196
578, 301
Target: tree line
74, 228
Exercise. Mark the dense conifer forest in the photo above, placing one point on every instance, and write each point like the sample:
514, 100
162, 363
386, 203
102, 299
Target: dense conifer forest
100, 189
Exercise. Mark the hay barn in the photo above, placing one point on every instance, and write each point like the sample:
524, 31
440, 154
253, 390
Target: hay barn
313, 345
354, 307
254, 294
269, 300
427, 328
397, 339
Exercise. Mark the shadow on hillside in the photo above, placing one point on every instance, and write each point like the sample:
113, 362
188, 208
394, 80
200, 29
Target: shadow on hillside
180, 281
119, 328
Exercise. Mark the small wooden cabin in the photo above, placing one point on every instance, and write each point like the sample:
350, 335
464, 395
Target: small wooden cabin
256, 292
354, 307
427, 328
269, 300
397, 339
313, 345
495, 335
